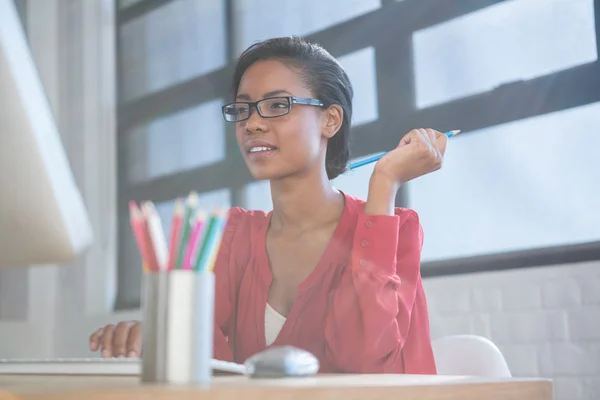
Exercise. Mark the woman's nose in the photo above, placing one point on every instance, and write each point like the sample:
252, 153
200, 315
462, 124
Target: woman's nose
255, 123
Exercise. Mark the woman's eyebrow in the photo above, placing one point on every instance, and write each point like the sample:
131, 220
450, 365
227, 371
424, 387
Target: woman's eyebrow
268, 94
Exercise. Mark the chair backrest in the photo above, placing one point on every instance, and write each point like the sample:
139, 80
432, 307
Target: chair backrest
469, 355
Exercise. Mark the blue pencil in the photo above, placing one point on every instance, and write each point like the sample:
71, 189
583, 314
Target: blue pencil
376, 157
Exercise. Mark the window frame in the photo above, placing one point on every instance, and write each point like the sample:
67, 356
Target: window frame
394, 74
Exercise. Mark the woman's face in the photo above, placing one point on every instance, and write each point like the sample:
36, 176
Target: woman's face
291, 144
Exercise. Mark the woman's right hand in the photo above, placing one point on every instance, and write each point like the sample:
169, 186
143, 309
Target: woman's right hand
122, 340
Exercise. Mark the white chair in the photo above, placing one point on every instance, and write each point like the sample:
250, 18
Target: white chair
469, 355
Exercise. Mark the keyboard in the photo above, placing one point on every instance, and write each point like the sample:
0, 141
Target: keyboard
92, 366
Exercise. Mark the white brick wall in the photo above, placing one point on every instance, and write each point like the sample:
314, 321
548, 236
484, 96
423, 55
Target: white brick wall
546, 321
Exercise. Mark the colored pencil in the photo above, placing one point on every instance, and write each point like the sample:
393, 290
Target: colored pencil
195, 238
190, 208
204, 249
137, 228
140, 232
157, 235
175, 231
377, 157
152, 260
218, 239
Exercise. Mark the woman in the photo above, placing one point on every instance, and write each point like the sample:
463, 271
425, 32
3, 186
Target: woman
323, 271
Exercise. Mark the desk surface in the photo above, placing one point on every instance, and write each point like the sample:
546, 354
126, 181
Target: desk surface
347, 387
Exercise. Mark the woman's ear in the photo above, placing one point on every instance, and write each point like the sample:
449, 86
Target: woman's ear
332, 121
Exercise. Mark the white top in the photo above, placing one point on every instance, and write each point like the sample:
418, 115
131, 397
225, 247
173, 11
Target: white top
273, 324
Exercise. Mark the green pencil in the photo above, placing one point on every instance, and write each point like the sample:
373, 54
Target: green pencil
204, 249
186, 226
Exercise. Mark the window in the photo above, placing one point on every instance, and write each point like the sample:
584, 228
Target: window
127, 3
165, 211
217, 198
356, 182
360, 67
190, 139
496, 194
517, 186
258, 196
207, 200
511, 41
257, 20
168, 46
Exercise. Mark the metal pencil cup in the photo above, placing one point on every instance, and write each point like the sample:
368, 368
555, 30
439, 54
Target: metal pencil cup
154, 326
177, 327
190, 327
203, 328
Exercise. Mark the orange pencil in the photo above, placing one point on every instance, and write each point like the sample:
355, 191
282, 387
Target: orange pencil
175, 230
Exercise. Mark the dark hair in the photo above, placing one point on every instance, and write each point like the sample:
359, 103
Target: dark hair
323, 76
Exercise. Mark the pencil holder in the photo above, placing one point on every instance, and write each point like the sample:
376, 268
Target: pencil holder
179, 294
154, 327
203, 327
180, 326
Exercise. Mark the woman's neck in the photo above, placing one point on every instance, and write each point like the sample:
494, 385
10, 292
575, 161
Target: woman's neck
303, 203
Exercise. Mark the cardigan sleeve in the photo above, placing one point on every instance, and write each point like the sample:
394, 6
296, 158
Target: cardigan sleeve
225, 286
367, 326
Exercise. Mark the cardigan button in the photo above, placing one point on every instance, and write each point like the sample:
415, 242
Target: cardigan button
369, 224
363, 263
364, 243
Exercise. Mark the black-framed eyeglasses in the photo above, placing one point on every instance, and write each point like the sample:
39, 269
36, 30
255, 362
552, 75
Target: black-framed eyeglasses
270, 107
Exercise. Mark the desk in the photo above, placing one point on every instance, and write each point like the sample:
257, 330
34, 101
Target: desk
346, 387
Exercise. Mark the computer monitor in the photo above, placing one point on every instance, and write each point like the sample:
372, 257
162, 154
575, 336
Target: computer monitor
43, 219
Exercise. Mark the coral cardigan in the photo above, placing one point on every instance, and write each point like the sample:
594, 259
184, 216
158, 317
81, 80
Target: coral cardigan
361, 310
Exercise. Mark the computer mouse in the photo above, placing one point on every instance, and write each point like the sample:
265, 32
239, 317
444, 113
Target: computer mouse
282, 361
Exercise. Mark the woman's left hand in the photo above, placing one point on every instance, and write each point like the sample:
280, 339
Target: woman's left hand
420, 152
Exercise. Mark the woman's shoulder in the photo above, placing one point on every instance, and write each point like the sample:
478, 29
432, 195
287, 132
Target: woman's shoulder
242, 213
241, 230
241, 218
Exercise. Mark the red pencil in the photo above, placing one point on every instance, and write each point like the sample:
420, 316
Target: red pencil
140, 231
175, 230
